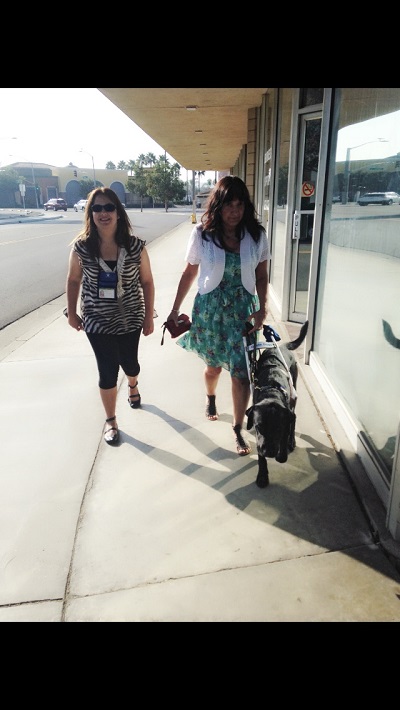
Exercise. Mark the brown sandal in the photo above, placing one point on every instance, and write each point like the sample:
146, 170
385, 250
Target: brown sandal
241, 446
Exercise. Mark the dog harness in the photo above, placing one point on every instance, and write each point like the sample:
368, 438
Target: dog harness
251, 353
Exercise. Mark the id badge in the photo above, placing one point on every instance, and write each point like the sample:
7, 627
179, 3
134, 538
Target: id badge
107, 285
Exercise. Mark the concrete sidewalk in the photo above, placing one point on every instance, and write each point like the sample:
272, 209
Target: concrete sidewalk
170, 525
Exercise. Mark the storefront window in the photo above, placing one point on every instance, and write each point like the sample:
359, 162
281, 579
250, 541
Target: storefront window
268, 139
357, 333
278, 236
311, 97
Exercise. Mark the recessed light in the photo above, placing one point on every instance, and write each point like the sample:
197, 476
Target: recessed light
198, 131
191, 108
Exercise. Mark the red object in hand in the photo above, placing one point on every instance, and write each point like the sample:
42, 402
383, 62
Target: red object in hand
176, 329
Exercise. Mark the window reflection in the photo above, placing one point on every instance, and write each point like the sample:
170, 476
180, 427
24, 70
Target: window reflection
359, 287
278, 238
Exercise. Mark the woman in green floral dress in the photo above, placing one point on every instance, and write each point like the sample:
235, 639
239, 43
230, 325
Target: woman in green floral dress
228, 252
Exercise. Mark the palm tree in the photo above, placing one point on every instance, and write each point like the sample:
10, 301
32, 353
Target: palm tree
150, 159
200, 172
131, 166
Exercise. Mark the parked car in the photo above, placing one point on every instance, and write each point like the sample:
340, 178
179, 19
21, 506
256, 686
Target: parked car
56, 203
379, 198
80, 205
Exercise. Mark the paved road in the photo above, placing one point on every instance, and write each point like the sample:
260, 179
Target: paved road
34, 252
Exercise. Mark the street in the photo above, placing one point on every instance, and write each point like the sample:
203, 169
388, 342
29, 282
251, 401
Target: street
34, 253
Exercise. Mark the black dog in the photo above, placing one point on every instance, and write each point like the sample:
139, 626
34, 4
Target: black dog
274, 399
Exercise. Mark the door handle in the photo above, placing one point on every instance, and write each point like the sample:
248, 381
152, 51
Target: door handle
296, 225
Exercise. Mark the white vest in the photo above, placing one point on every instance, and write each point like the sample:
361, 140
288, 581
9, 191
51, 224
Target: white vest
212, 260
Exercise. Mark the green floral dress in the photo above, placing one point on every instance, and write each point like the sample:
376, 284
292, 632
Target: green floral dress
218, 322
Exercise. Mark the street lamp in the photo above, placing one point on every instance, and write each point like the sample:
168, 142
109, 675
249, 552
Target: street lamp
94, 174
346, 173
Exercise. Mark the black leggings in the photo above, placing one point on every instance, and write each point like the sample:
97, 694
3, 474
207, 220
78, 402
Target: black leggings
113, 352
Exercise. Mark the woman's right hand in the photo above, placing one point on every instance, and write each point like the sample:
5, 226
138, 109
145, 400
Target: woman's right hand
75, 321
174, 315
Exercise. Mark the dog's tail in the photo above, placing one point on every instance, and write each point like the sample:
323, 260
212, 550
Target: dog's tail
294, 344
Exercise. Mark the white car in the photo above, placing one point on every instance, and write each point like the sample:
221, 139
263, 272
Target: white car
80, 205
379, 198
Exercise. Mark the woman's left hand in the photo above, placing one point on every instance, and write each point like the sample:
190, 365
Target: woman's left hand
259, 318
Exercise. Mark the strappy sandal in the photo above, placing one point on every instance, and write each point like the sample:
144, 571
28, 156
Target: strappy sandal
242, 446
211, 410
137, 403
111, 438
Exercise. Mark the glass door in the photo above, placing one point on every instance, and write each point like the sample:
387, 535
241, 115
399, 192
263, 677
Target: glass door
303, 218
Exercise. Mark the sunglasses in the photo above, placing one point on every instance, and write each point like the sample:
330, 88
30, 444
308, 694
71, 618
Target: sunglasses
109, 207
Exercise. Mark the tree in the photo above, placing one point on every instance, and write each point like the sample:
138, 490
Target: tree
163, 182
110, 165
150, 159
137, 183
86, 186
9, 181
131, 166
199, 172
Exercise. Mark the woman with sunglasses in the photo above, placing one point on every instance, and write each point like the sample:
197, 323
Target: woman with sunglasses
110, 267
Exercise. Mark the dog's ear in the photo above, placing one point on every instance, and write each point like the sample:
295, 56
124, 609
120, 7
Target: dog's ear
250, 417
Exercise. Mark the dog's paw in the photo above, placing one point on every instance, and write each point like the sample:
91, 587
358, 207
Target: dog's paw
262, 480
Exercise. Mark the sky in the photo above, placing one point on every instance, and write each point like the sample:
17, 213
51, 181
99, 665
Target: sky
46, 125
52, 126
378, 137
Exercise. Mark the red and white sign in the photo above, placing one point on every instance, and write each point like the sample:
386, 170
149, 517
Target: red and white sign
307, 189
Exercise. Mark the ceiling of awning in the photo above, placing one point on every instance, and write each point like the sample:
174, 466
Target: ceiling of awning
208, 137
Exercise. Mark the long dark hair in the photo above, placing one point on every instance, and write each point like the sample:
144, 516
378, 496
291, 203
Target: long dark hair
89, 234
228, 188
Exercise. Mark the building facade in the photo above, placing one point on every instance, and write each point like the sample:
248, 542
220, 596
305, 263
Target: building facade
43, 182
310, 155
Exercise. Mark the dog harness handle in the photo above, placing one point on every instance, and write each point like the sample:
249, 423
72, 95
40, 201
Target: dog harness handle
271, 336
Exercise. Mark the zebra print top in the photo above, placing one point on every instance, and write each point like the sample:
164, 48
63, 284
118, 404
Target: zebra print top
109, 316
